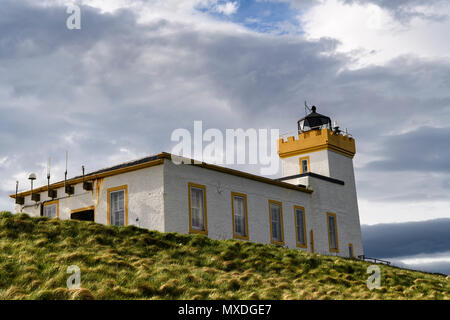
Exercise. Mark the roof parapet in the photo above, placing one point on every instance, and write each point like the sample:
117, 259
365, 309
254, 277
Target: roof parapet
316, 140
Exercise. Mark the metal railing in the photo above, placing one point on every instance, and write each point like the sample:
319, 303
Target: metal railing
295, 133
375, 260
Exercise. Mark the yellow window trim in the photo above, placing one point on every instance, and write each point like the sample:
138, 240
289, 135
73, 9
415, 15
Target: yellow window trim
335, 230
124, 187
85, 209
270, 222
300, 163
304, 227
242, 195
51, 203
199, 186
350, 245
312, 240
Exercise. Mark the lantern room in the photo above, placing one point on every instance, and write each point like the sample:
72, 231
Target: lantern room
313, 121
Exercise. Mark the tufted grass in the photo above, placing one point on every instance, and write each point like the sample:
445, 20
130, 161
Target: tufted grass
133, 263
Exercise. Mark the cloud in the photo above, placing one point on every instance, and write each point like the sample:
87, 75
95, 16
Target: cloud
433, 263
374, 32
421, 245
406, 239
406, 9
424, 145
227, 8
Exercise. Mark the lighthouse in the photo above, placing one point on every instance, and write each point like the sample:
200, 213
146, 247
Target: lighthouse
320, 157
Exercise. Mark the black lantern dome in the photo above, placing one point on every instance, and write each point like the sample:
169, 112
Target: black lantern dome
313, 121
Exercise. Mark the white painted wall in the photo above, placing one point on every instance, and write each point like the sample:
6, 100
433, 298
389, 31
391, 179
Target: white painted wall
218, 194
145, 198
318, 162
339, 200
330, 197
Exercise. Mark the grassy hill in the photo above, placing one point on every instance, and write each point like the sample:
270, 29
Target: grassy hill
133, 263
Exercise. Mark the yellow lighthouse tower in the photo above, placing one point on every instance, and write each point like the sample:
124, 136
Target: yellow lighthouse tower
320, 157
318, 148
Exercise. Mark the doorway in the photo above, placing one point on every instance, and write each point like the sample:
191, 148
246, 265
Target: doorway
85, 214
350, 250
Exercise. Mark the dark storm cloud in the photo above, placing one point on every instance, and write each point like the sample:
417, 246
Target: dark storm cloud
381, 104
425, 149
406, 239
276, 69
28, 30
401, 243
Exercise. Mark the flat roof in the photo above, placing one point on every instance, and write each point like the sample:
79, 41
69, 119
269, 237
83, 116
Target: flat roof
154, 161
314, 175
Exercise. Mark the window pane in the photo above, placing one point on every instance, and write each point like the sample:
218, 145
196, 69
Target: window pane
117, 208
275, 210
239, 216
197, 209
50, 211
300, 226
304, 166
332, 231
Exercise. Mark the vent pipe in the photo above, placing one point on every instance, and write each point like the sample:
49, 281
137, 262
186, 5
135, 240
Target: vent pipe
87, 185
51, 193
68, 189
19, 200
36, 197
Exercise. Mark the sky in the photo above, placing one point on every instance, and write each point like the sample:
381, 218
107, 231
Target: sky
420, 245
137, 70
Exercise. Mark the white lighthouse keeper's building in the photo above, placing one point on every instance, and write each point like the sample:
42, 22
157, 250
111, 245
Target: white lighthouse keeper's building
313, 207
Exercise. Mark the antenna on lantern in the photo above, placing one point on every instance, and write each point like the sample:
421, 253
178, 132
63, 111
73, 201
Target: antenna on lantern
19, 200
307, 108
48, 168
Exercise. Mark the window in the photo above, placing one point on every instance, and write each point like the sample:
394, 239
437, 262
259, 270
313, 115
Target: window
300, 226
350, 250
197, 208
239, 215
118, 206
304, 164
276, 222
332, 232
51, 209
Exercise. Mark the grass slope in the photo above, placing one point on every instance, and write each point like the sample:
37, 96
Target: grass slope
133, 263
